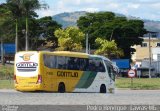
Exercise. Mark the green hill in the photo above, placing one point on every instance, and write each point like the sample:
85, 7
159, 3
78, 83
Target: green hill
152, 25
69, 19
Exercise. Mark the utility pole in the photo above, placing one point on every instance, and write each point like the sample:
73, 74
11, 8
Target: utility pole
89, 50
149, 55
16, 39
87, 43
26, 34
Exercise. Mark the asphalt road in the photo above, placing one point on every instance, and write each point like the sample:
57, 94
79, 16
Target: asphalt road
120, 97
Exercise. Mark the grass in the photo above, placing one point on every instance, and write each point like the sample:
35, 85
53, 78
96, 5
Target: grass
6, 72
139, 83
6, 76
6, 81
6, 84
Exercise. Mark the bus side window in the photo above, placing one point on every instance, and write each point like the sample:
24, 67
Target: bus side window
50, 61
47, 60
82, 64
96, 65
76, 64
71, 63
53, 61
92, 65
101, 67
61, 62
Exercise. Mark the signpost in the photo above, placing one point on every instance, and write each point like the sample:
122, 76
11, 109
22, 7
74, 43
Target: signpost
131, 74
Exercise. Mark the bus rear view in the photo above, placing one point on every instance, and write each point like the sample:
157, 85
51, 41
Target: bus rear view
26, 71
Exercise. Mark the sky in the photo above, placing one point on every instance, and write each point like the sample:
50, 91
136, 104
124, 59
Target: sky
144, 9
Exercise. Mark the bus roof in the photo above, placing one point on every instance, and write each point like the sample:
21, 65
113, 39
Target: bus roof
68, 53
99, 56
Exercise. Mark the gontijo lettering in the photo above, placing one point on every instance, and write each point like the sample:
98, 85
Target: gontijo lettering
67, 74
26, 64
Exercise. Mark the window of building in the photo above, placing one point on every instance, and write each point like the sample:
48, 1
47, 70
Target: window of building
158, 44
158, 57
154, 35
144, 45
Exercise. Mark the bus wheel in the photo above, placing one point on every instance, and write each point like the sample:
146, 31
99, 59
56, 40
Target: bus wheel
61, 87
103, 89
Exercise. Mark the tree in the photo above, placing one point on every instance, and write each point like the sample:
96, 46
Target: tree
4, 27
41, 30
4, 13
107, 25
46, 27
28, 7
69, 39
21, 9
33, 36
16, 12
108, 48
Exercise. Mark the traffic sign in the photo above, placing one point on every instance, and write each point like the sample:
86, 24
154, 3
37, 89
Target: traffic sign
131, 73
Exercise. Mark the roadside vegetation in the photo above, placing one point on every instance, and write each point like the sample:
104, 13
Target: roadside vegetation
139, 83
6, 72
6, 77
6, 81
6, 84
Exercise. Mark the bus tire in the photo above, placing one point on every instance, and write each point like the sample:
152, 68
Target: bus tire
103, 88
61, 87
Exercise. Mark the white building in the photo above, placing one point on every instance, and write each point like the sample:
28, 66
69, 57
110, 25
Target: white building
156, 54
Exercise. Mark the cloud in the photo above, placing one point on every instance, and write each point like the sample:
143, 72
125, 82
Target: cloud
138, 8
134, 6
89, 9
2, 1
43, 13
148, 9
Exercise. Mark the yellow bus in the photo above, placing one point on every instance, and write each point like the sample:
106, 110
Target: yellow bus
63, 71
